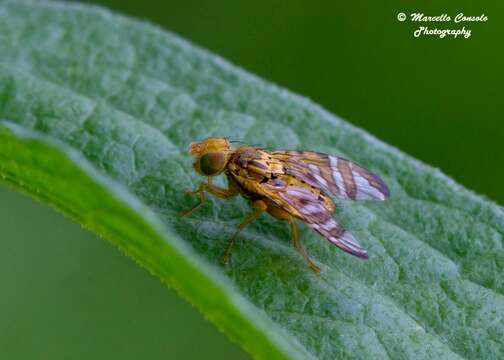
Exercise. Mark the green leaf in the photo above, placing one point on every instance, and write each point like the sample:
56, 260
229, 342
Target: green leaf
98, 111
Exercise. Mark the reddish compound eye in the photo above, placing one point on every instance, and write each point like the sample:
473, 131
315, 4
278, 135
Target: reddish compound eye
212, 163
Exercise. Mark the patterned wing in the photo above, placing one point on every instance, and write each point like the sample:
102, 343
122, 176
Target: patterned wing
336, 175
304, 204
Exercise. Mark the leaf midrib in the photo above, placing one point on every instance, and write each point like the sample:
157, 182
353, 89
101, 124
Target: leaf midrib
150, 219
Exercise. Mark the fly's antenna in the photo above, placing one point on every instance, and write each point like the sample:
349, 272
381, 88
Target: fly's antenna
262, 146
253, 145
238, 142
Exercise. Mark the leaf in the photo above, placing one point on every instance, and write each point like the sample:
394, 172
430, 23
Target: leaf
98, 111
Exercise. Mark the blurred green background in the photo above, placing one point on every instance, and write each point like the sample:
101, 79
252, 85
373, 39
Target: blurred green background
68, 294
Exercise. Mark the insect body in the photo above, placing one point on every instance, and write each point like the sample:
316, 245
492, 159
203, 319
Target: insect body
288, 185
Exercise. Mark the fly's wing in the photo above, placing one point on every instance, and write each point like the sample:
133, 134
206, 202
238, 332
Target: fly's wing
333, 174
302, 203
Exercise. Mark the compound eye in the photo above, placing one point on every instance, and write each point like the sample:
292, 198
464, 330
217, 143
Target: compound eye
211, 163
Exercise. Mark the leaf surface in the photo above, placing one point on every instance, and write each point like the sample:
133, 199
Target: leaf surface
98, 111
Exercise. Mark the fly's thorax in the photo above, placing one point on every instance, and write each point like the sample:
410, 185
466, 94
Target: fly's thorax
255, 163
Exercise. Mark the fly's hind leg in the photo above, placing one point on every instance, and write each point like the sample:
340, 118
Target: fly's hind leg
284, 215
259, 207
299, 246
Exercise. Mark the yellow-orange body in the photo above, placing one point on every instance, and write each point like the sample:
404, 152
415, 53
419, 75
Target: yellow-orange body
288, 185
250, 167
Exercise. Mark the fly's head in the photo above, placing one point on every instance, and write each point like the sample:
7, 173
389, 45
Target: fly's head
211, 155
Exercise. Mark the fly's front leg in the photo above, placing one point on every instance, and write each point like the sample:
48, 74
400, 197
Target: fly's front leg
212, 189
200, 191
